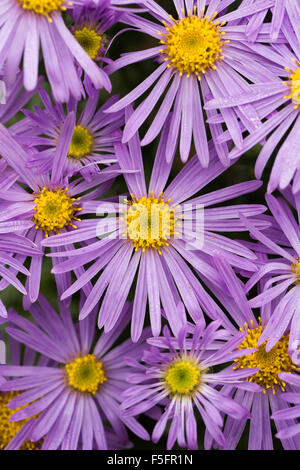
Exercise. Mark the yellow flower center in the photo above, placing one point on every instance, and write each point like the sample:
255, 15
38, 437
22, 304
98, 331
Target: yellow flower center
54, 210
270, 364
150, 222
182, 377
81, 143
193, 44
296, 270
85, 374
89, 40
294, 85
8, 429
44, 7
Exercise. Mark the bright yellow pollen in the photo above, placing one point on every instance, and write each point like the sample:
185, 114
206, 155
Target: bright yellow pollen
81, 143
294, 85
85, 374
193, 44
182, 377
44, 7
54, 210
150, 222
8, 429
296, 270
270, 363
89, 40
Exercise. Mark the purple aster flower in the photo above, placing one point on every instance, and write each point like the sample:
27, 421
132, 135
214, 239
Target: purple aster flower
49, 203
93, 138
28, 24
177, 373
289, 412
11, 244
159, 252
201, 55
269, 363
16, 435
282, 243
278, 103
91, 22
75, 397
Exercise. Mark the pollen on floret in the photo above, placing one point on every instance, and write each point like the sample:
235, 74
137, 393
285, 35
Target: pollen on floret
55, 210
85, 374
182, 376
45, 7
193, 44
270, 364
8, 429
296, 270
81, 143
89, 40
150, 222
294, 85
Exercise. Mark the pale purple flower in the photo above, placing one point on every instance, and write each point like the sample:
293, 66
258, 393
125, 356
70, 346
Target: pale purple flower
18, 356
93, 138
277, 102
91, 20
282, 268
225, 65
14, 247
178, 374
270, 364
45, 204
27, 27
161, 264
74, 393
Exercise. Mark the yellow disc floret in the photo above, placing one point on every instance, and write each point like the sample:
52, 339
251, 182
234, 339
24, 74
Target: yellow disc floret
89, 40
55, 210
9, 429
294, 85
270, 364
296, 270
150, 222
81, 143
85, 374
193, 44
182, 377
44, 7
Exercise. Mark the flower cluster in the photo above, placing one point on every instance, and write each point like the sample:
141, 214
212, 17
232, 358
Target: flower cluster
149, 266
